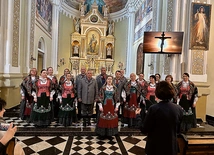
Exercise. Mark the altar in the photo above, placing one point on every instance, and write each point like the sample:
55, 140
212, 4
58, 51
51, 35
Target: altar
92, 43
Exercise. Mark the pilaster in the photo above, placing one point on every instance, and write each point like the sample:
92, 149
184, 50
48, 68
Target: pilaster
55, 31
129, 56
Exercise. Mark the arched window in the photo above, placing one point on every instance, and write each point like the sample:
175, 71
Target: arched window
41, 53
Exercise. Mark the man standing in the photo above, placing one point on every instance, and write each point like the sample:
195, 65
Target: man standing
87, 94
79, 77
119, 83
63, 77
158, 77
101, 79
122, 76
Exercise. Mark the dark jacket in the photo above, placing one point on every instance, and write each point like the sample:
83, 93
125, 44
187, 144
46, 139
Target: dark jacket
162, 123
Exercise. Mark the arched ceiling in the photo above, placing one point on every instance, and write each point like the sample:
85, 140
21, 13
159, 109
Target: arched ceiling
114, 5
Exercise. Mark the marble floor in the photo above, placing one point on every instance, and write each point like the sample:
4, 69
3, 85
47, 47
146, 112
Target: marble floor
79, 140
79, 145
76, 139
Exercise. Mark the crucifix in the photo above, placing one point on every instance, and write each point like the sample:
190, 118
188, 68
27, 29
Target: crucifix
162, 38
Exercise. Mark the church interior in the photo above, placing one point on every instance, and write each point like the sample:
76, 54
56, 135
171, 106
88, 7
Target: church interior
92, 34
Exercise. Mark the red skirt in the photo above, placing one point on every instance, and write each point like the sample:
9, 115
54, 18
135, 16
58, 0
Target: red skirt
130, 107
108, 118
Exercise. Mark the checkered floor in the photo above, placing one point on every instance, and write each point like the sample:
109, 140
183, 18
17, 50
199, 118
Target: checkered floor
79, 145
23, 123
75, 145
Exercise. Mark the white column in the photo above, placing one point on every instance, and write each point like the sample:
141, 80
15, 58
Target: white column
130, 66
8, 36
55, 31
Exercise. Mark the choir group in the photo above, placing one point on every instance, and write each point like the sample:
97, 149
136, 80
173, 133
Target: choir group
45, 99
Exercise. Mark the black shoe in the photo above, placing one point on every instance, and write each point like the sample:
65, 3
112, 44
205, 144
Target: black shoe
84, 122
101, 137
89, 121
110, 138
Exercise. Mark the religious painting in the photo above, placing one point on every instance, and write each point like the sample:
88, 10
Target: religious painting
200, 26
140, 59
44, 14
93, 43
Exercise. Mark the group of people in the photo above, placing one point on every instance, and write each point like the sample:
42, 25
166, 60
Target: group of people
44, 98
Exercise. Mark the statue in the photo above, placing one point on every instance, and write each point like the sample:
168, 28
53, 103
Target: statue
82, 9
77, 24
76, 50
110, 28
109, 49
92, 44
105, 10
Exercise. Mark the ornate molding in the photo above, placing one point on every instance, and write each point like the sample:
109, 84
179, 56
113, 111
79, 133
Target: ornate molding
198, 62
166, 64
154, 18
32, 29
67, 10
168, 28
169, 15
16, 20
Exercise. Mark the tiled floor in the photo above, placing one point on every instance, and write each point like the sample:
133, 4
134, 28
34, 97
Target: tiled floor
79, 145
78, 140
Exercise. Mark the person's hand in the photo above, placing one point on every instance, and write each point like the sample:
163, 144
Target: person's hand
35, 100
51, 98
23, 97
137, 111
101, 109
80, 100
194, 105
8, 134
116, 109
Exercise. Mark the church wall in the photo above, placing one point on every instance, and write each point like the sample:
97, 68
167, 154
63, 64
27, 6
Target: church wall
41, 33
121, 35
65, 29
210, 64
11, 76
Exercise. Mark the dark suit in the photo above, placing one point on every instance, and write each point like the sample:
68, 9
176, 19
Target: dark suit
162, 123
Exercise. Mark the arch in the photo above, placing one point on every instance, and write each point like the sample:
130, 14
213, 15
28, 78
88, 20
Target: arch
41, 45
93, 29
40, 55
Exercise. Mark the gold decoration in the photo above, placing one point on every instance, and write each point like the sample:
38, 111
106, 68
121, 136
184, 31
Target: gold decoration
197, 62
16, 19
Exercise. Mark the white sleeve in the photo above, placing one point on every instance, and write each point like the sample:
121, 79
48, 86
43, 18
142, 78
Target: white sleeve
60, 97
195, 99
178, 100
22, 93
52, 93
34, 94
100, 105
123, 94
117, 104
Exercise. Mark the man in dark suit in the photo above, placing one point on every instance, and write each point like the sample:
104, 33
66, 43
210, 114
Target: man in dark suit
101, 80
119, 83
162, 122
79, 77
